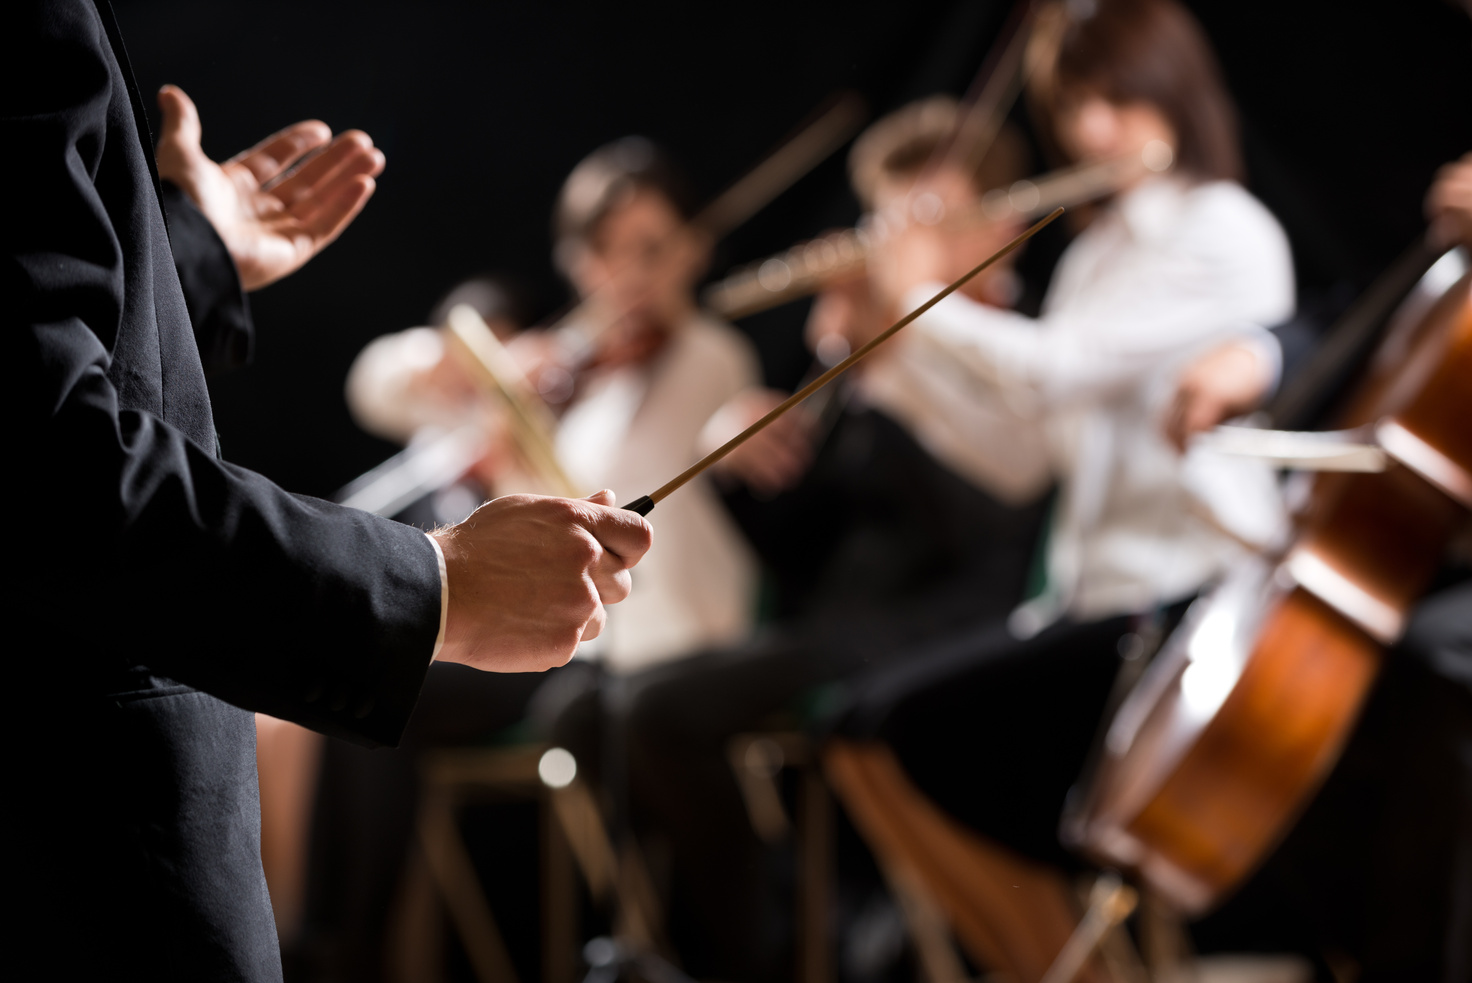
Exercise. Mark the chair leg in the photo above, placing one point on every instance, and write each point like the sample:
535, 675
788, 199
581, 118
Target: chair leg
1163, 939
623, 875
640, 917
816, 877
417, 940
1011, 915
929, 930
559, 901
454, 874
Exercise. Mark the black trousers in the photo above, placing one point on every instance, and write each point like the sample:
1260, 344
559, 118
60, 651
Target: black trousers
995, 729
727, 908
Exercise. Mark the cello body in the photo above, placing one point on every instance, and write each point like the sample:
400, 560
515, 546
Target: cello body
1237, 722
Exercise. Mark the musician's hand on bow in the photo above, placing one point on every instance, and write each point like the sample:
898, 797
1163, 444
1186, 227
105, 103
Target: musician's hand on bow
529, 577
1449, 204
1224, 383
279, 203
771, 461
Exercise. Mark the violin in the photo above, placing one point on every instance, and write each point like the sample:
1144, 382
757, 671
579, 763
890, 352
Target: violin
595, 333
1233, 727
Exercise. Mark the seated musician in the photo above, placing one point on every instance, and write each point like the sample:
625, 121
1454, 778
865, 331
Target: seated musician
880, 522
1377, 873
805, 517
657, 369
403, 387
993, 728
660, 368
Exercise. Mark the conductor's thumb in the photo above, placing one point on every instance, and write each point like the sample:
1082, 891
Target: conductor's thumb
181, 129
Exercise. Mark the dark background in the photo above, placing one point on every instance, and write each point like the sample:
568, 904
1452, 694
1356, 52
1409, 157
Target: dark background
481, 109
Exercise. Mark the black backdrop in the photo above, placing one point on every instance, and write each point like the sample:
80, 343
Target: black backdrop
482, 108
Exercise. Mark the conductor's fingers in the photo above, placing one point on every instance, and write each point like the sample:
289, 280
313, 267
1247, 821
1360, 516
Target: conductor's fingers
350, 153
619, 531
336, 209
594, 626
276, 154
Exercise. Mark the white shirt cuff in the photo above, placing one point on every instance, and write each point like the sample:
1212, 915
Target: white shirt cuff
439, 554
1269, 353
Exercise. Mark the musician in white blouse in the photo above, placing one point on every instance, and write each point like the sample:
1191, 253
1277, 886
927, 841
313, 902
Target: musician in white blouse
1176, 264
655, 369
633, 407
994, 727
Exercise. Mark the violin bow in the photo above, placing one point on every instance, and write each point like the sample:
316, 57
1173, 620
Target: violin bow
475, 346
644, 504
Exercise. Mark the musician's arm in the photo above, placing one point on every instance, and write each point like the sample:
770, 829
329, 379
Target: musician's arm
1067, 358
1449, 204
404, 381
1237, 378
1229, 381
1161, 296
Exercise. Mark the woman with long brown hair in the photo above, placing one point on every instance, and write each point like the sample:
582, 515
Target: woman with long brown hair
993, 728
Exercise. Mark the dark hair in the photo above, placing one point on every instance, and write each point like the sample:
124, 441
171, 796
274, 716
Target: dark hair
904, 142
607, 178
1152, 51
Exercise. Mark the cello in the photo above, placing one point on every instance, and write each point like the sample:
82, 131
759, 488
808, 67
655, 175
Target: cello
1232, 728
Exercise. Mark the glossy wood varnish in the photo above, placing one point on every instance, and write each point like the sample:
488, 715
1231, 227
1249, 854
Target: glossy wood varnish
1215, 811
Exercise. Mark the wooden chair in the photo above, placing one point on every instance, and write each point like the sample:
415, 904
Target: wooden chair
573, 838
1010, 915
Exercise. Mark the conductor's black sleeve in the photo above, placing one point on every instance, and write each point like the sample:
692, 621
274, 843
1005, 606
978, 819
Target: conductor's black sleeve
133, 544
212, 292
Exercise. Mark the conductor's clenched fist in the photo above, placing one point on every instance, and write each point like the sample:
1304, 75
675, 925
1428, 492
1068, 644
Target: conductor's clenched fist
529, 577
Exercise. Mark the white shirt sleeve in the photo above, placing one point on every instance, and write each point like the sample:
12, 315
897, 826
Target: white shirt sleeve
1266, 348
439, 639
1168, 274
385, 392
1072, 358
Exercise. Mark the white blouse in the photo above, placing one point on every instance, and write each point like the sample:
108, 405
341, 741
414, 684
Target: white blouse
630, 430
1165, 273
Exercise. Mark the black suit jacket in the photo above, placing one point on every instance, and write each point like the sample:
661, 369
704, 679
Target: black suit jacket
162, 593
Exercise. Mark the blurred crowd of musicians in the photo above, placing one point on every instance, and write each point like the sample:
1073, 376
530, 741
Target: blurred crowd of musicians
960, 543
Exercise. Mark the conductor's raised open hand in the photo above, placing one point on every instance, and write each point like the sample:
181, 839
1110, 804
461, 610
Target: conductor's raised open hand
529, 577
279, 203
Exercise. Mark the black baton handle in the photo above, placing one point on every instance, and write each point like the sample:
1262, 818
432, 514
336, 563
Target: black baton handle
642, 505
